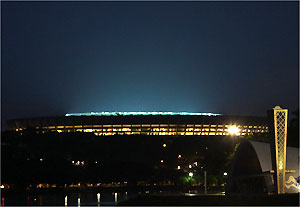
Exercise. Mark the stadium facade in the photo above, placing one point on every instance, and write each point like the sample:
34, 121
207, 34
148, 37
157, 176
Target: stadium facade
145, 123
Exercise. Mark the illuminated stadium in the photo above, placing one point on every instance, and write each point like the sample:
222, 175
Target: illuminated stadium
145, 123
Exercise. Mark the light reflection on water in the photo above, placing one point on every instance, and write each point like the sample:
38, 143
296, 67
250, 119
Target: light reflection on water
70, 199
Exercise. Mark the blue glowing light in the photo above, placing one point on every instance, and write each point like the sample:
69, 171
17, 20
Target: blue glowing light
116, 113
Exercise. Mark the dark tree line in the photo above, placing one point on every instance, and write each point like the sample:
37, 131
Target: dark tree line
33, 158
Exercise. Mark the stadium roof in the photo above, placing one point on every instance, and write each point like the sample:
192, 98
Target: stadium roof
117, 113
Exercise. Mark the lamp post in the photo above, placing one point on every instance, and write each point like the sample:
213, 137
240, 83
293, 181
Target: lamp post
190, 179
233, 130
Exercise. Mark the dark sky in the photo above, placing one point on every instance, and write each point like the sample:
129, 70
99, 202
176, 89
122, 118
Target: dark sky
222, 57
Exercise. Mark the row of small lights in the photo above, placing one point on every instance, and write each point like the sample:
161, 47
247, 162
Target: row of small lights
81, 163
125, 182
78, 200
232, 130
191, 174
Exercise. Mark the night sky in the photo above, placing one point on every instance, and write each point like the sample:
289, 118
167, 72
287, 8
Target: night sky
236, 58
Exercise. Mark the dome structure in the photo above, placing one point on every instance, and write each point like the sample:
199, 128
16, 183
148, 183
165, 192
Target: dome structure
251, 170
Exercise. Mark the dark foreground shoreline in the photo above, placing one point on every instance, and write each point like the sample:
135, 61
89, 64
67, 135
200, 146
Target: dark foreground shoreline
213, 200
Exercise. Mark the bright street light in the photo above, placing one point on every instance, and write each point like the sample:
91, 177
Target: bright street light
233, 130
191, 174
225, 173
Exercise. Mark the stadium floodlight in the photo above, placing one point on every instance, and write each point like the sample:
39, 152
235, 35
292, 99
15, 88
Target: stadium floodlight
116, 113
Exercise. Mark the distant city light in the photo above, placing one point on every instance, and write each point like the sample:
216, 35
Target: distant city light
117, 113
164, 145
179, 156
2, 186
162, 161
191, 174
190, 166
233, 130
178, 167
225, 173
